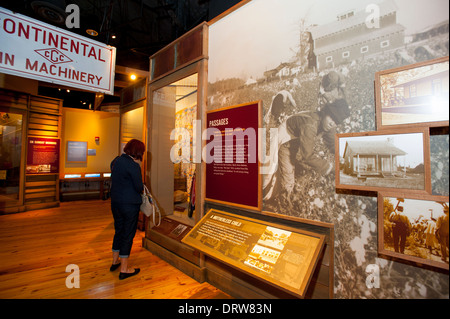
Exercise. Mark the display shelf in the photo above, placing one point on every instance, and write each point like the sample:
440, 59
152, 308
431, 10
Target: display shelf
81, 188
182, 218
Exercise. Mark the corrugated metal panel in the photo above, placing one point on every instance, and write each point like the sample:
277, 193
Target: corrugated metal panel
45, 105
46, 121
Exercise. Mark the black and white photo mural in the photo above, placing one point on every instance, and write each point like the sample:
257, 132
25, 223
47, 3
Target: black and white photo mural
312, 63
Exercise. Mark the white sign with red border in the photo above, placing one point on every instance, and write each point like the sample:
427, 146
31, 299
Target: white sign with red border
33, 49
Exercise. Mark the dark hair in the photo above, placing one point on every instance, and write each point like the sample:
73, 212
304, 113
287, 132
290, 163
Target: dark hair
330, 81
135, 149
277, 105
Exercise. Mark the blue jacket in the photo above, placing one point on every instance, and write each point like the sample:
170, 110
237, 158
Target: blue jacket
126, 180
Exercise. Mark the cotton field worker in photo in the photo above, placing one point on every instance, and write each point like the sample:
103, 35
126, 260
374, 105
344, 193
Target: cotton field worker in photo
296, 138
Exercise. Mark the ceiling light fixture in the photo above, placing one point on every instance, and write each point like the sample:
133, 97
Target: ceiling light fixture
92, 32
52, 11
133, 77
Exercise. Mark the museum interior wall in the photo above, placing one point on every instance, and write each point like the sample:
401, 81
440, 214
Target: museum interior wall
104, 125
44, 119
27, 118
288, 58
293, 49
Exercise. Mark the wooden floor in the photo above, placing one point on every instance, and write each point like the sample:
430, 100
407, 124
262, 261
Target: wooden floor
37, 246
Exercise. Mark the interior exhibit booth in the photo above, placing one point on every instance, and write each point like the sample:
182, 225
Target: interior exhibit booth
55, 147
263, 199
295, 149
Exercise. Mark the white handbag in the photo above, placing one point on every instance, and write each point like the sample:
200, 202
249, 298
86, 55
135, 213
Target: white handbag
149, 207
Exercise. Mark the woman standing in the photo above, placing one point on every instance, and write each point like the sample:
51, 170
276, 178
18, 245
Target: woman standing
126, 189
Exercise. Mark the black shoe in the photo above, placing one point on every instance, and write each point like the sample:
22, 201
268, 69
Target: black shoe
124, 275
114, 267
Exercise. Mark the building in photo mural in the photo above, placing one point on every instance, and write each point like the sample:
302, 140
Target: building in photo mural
312, 64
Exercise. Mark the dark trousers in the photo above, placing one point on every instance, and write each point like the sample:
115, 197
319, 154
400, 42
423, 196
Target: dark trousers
399, 234
125, 225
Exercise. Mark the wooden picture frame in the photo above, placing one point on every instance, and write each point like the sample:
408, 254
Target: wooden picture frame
371, 161
413, 95
76, 152
409, 228
282, 256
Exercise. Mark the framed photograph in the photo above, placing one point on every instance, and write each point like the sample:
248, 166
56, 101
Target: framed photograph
414, 228
416, 94
76, 152
373, 161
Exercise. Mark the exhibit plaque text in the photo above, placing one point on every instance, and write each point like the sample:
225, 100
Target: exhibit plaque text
281, 256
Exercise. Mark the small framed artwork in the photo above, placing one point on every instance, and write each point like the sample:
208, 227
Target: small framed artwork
413, 95
414, 228
375, 161
76, 152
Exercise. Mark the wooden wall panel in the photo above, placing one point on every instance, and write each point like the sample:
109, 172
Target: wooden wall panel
41, 191
13, 99
44, 117
189, 48
45, 105
44, 120
163, 62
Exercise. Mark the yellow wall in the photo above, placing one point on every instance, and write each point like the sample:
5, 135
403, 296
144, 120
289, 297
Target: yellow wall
85, 125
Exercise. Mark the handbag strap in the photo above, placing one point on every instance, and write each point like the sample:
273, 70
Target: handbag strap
146, 191
156, 208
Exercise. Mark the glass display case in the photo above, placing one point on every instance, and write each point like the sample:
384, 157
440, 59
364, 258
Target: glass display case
177, 111
176, 116
11, 138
